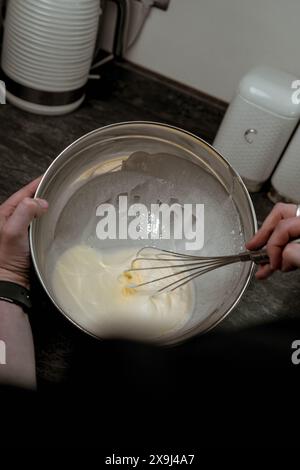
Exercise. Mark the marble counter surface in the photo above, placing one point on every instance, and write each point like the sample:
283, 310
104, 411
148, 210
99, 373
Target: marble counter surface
29, 143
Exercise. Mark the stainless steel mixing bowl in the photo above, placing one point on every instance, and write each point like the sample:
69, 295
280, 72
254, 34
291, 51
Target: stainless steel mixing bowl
102, 154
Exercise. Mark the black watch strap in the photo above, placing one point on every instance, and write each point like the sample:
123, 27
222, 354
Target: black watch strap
15, 294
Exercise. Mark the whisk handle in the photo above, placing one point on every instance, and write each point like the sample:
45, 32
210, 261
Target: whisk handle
261, 256
258, 256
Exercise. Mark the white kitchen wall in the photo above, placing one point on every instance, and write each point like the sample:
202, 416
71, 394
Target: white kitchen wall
211, 44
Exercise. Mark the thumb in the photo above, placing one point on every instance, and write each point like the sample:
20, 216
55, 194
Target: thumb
291, 257
23, 215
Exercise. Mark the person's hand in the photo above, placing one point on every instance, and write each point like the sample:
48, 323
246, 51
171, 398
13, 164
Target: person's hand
280, 227
16, 215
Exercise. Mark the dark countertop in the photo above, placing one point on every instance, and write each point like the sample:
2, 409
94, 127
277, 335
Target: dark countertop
29, 143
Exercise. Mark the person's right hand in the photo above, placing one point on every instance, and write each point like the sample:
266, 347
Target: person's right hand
278, 230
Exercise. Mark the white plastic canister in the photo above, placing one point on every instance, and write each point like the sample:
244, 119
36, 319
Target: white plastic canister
258, 124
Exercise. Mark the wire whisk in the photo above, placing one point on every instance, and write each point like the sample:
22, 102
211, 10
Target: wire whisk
183, 268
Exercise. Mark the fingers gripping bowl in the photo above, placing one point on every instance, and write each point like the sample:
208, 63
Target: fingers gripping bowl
147, 163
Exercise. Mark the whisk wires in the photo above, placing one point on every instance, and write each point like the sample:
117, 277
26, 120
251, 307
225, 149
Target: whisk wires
187, 267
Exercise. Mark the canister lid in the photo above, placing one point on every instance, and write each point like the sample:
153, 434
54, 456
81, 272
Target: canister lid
273, 90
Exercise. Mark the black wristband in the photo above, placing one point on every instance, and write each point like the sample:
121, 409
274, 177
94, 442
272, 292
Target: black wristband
15, 294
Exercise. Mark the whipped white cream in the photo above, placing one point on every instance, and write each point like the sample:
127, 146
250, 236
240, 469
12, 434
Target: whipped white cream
94, 289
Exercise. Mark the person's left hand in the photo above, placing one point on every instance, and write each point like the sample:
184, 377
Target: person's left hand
16, 215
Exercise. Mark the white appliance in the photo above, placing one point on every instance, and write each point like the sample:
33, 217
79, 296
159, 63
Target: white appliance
285, 182
258, 124
48, 48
